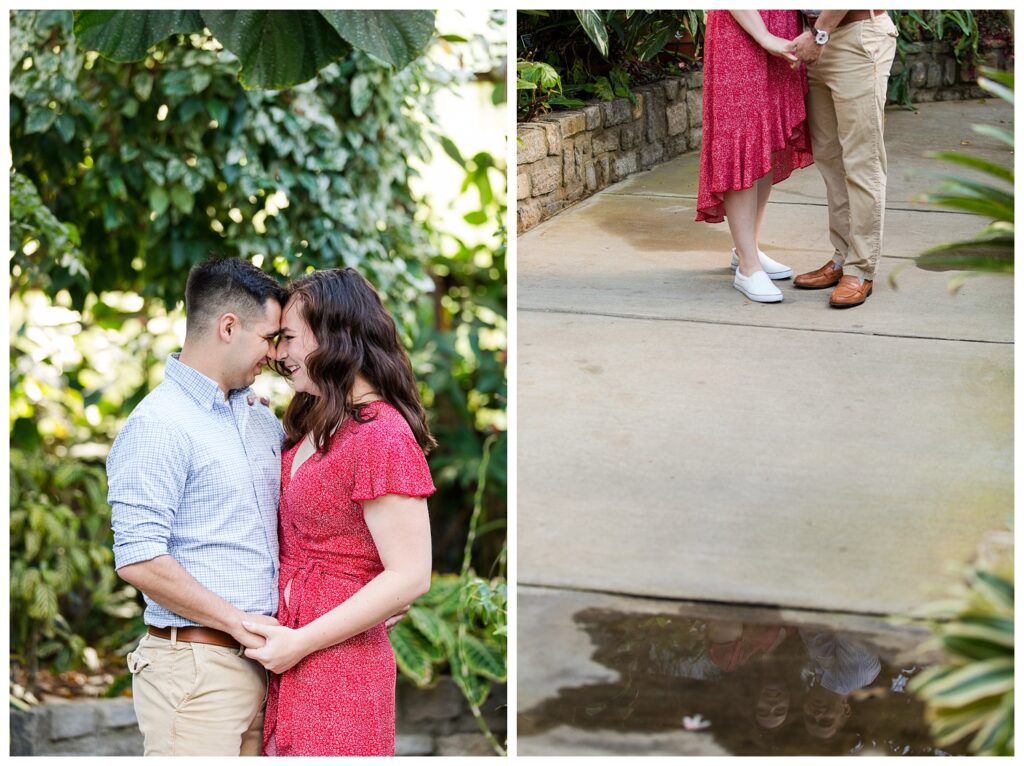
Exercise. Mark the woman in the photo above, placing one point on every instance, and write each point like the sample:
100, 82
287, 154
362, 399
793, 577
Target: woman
755, 132
354, 531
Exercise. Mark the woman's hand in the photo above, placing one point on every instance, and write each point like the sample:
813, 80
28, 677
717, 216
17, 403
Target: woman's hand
284, 647
781, 47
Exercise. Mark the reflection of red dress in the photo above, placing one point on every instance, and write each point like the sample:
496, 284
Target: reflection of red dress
754, 115
339, 700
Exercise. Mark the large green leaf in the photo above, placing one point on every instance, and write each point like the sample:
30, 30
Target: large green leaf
998, 731
428, 623
593, 25
394, 37
656, 43
484, 660
999, 134
277, 49
948, 728
978, 163
127, 35
474, 687
997, 590
412, 653
989, 254
442, 587
973, 682
973, 647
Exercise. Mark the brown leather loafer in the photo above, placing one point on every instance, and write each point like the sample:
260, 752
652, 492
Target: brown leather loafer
827, 276
850, 292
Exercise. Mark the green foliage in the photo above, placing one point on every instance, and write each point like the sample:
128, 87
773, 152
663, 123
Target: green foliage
63, 589
958, 27
316, 173
461, 623
603, 53
971, 692
539, 87
124, 176
992, 249
275, 49
428, 641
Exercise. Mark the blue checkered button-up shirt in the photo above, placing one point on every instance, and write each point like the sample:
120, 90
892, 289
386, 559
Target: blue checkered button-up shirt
197, 477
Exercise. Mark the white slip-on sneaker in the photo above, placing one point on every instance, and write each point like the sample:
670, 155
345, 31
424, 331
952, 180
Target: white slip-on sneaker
773, 269
758, 287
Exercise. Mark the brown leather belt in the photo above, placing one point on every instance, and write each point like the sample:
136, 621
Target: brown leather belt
198, 635
852, 16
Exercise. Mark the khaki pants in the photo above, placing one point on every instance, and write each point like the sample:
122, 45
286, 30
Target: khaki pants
846, 112
197, 699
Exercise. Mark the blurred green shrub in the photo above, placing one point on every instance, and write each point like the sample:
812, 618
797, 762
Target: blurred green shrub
64, 593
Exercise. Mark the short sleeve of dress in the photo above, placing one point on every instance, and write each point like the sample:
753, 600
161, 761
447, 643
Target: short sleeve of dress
390, 462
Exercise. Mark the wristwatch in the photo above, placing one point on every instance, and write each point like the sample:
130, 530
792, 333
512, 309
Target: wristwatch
820, 36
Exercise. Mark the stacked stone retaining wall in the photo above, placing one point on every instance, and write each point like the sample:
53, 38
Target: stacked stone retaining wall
567, 156
429, 722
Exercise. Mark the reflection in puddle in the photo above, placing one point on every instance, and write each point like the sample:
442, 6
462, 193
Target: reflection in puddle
756, 688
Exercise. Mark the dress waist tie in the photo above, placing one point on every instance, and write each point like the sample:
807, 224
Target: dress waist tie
290, 615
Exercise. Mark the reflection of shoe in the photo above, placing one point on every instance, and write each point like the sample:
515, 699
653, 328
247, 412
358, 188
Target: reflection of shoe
827, 276
850, 292
757, 287
773, 269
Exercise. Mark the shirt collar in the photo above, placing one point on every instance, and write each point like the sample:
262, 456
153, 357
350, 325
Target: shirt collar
204, 390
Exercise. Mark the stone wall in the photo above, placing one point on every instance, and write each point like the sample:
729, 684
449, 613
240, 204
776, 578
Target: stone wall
567, 156
430, 722
936, 75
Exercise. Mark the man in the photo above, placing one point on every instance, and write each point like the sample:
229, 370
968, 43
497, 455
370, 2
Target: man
840, 665
194, 480
848, 56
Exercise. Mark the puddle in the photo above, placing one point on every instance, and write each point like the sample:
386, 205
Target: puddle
751, 688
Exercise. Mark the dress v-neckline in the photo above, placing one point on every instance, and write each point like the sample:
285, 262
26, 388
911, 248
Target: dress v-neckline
294, 469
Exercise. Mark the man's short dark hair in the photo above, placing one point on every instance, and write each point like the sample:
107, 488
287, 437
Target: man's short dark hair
220, 285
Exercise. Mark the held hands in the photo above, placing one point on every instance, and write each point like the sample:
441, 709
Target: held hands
781, 47
247, 638
279, 648
283, 649
805, 48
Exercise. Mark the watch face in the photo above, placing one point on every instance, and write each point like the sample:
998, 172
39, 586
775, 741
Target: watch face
820, 37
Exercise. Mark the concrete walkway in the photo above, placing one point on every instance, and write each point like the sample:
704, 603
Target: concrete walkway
678, 441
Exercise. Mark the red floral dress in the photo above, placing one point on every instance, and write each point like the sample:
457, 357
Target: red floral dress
754, 115
339, 700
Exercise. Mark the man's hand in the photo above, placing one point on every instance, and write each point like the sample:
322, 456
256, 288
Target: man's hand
250, 639
396, 618
805, 48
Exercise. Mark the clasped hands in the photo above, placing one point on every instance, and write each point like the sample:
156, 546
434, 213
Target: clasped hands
800, 50
277, 647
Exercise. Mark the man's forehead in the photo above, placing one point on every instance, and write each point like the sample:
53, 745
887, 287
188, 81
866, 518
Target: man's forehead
271, 319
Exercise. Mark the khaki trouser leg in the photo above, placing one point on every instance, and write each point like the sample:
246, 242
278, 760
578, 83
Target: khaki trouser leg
847, 107
197, 699
828, 158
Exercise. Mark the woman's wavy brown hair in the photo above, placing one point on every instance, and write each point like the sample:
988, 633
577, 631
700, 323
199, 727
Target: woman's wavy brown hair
355, 335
